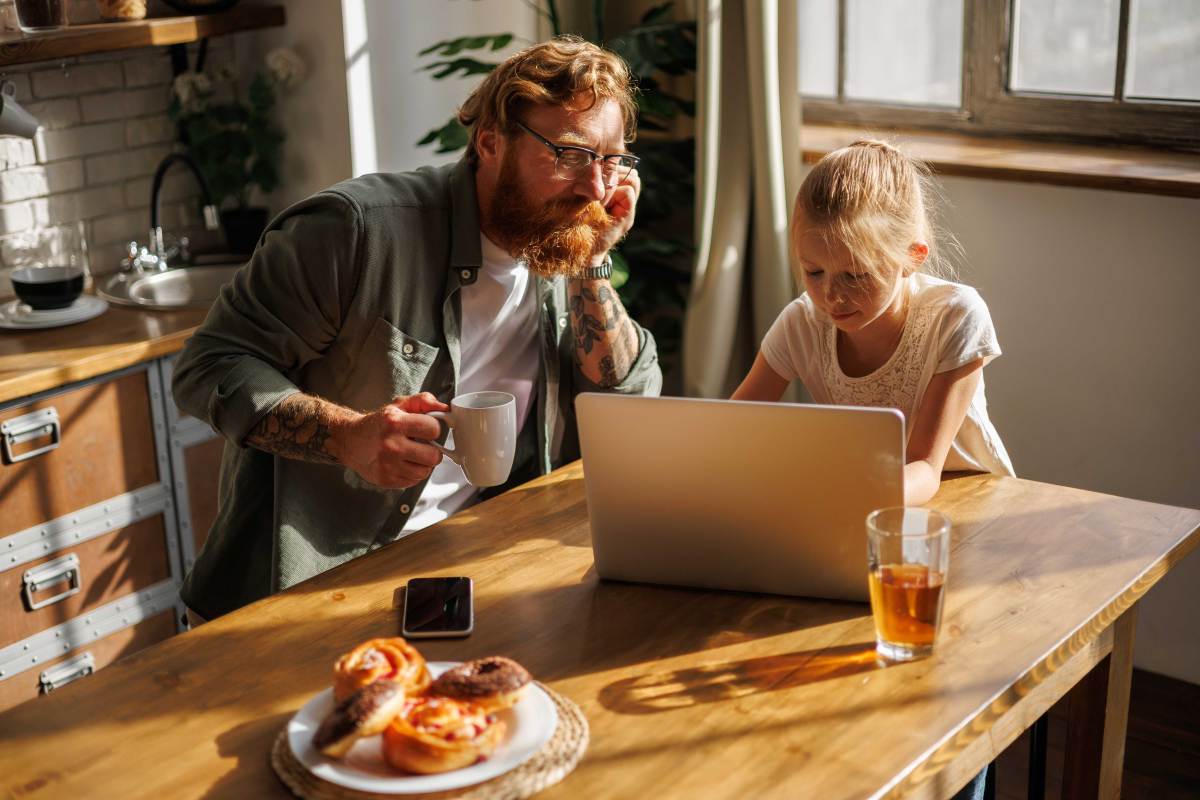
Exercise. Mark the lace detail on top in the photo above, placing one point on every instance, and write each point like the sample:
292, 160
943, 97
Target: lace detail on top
895, 384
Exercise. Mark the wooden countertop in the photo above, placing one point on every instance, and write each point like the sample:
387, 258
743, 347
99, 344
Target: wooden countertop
34, 361
688, 693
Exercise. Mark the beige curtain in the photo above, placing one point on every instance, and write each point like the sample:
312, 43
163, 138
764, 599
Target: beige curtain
748, 167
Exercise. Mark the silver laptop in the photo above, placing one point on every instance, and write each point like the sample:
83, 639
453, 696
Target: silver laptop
723, 494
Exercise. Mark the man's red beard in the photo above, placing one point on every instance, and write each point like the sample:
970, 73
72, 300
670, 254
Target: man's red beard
554, 238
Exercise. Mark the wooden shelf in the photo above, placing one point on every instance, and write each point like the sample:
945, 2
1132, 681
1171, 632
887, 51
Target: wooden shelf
1090, 166
80, 40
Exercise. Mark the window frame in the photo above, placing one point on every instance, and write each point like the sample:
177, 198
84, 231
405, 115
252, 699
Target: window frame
989, 107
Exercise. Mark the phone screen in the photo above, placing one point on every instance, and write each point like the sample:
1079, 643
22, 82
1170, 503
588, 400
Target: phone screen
438, 607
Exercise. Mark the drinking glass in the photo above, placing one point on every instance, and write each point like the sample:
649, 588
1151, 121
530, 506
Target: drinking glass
908, 555
62, 245
35, 16
61, 249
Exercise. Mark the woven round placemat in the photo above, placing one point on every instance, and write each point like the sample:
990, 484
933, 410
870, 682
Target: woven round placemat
545, 768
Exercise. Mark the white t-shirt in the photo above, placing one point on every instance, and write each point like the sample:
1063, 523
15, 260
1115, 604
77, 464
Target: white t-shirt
499, 352
948, 325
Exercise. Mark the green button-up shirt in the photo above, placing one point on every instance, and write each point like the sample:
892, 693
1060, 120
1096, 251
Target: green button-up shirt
352, 295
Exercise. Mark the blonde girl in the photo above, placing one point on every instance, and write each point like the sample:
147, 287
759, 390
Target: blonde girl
874, 328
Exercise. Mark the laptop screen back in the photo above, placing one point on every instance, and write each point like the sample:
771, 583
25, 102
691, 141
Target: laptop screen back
721, 494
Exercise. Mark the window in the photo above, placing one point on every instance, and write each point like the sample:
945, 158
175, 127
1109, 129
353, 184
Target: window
1126, 70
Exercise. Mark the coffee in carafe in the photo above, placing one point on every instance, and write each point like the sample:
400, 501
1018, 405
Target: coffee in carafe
41, 15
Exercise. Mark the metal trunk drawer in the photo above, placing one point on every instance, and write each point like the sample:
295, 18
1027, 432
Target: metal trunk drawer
85, 574
73, 449
55, 673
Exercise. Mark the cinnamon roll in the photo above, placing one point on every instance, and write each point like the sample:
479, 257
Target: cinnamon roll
391, 659
438, 734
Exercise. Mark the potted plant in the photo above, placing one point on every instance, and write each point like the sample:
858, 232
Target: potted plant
234, 140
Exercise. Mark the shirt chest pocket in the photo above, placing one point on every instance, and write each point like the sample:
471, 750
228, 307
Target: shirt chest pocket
392, 364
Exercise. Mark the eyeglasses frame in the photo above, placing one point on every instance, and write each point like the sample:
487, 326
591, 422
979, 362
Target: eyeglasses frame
559, 149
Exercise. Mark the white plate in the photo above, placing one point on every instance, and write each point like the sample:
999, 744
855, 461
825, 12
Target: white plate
528, 725
17, 316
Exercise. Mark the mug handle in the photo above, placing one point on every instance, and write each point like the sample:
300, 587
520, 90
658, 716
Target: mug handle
447, 420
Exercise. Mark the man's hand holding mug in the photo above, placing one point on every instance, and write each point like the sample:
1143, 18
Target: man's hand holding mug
395, 447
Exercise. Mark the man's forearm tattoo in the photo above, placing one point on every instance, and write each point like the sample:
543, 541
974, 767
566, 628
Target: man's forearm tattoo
299, 427
605, 337
608, 372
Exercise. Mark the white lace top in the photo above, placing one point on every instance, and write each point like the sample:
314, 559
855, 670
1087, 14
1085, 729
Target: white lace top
948, 325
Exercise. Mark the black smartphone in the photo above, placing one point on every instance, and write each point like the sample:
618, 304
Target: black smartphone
438, 607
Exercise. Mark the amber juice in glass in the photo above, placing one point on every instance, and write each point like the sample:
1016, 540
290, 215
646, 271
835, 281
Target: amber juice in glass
908, 552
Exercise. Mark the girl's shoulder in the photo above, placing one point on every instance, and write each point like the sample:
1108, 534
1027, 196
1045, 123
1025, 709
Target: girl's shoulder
800, 323
800, 311
946, 297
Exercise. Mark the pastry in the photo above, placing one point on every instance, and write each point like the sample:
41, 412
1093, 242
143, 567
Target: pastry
364, 713
380, 659
495, 683
437, 734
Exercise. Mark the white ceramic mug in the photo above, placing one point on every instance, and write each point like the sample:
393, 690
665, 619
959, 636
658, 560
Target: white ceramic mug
485, 435
14, 120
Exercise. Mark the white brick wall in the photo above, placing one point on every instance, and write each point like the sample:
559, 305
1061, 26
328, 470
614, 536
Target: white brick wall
76, 79
104, 130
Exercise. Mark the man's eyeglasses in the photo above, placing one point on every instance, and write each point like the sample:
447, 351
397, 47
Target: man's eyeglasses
571, 163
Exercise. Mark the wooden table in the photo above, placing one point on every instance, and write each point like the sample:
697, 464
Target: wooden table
689, 693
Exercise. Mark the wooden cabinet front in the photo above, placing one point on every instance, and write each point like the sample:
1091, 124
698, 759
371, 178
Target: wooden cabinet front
108, 567
105, 449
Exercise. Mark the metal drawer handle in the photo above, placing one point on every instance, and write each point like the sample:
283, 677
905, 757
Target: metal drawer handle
49, 574
27, 427
70, 670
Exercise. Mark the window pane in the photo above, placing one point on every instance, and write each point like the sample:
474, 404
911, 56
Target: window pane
1065, 46
908, 52
1164, 50
818, 48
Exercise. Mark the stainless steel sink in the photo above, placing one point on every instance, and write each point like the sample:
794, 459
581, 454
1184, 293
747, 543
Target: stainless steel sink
182, 287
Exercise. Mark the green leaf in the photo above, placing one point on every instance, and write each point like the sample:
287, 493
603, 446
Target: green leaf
452, 47
657, 13
656, 247
450, 137
264, 174
467, 66
654, 103
228, 114
620, 270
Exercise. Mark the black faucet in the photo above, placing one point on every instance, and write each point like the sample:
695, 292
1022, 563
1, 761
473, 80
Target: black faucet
211, 220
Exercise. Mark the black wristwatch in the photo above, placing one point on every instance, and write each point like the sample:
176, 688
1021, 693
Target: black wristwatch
604, 270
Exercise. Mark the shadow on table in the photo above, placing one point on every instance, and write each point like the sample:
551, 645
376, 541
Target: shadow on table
608, 625
730, 680
244, 743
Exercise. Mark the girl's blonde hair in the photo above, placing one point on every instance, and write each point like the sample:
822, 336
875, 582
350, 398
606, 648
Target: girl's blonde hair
873, 199
550, 73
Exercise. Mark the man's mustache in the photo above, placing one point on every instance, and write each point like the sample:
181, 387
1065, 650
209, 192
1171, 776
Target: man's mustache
580, 212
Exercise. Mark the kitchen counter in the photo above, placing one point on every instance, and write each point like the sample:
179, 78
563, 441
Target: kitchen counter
38, 360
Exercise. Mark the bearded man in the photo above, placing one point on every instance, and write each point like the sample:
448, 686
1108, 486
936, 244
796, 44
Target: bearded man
378, 300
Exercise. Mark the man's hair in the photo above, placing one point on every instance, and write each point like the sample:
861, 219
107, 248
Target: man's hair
550, 73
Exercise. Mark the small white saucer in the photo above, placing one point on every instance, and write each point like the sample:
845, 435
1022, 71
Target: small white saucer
16, 316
